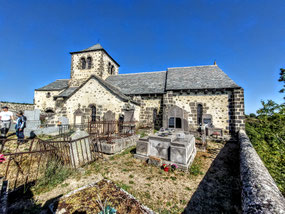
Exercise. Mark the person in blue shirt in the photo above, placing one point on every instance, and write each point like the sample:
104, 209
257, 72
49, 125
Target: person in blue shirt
20, 126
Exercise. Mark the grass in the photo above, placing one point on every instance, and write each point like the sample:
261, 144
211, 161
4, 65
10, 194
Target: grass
149, 184
195, 168
54, 174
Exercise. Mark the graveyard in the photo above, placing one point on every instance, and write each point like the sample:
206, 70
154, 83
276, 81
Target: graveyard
82, 165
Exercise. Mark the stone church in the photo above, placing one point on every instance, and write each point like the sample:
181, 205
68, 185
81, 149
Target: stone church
180, 97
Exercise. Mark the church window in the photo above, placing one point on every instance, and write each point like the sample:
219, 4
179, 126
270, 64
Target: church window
93, 113
89, 62
48, 95
109, 68
199, 114
113, 69
83, 63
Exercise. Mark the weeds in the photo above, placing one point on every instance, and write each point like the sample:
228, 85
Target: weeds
54, 174
195, 168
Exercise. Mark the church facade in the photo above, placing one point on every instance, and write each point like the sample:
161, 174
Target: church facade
183, 97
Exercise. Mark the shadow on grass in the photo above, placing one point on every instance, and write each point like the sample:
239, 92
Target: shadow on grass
22, 201
219, 191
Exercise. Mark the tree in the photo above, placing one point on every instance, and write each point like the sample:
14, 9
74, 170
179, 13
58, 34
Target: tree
282, 79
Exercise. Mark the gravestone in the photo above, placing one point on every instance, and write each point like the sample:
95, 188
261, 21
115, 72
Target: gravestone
33, 122
110, 126
175, 117
80, 148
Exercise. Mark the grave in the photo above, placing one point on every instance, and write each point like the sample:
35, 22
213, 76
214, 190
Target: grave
171, 146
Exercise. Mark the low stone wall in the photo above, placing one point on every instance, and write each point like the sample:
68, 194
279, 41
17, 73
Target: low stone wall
259, 191
117, 145
17, 106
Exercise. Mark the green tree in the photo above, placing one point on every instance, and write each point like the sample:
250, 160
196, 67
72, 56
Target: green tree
282, 79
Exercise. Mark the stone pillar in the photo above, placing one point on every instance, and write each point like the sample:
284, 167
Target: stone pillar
236, 111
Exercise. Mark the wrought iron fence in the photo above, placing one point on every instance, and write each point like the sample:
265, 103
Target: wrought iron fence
111, 129
27, 161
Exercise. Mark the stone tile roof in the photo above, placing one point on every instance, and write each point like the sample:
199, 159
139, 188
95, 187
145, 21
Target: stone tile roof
96, 47
198, 77
139, 83
93, 48
71, 90
67, 92
55, 86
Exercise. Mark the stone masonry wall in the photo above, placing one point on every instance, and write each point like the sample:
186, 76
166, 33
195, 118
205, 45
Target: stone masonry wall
99, 66
93, 93
215, 104
259, 191
149, 104
43, 101
236, 110
17, 106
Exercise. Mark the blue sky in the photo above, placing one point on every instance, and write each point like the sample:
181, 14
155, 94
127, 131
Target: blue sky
247, 38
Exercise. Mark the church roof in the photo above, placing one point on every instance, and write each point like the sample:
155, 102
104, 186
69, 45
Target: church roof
139, 83
68, 92
198, 77
95, 47
195, 77
55, 86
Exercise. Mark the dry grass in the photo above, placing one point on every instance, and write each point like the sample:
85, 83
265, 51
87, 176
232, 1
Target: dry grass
164, 192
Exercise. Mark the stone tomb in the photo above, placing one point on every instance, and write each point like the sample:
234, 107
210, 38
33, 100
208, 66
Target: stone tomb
177, 147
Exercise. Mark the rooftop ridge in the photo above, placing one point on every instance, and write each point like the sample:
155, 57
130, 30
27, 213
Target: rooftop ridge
142, 73
194, 66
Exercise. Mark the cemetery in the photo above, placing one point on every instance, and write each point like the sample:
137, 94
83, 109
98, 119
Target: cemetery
132, 164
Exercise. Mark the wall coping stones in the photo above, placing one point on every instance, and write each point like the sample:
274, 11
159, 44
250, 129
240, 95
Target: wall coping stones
260, 193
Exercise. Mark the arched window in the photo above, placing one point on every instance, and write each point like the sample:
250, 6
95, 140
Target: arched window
199, 114
93, 113
49, 111
83, 63
109, 67
48, 95
89, 62
113, 69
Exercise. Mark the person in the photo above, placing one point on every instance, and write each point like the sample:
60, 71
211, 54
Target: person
20, 125
6, 117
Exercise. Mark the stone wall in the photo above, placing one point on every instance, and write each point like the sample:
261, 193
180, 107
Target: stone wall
214, 103
259, 191
93, 93
151, 110
17, 106
44, 100
99, 67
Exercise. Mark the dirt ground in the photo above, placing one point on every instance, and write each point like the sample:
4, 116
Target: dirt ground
163, 192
